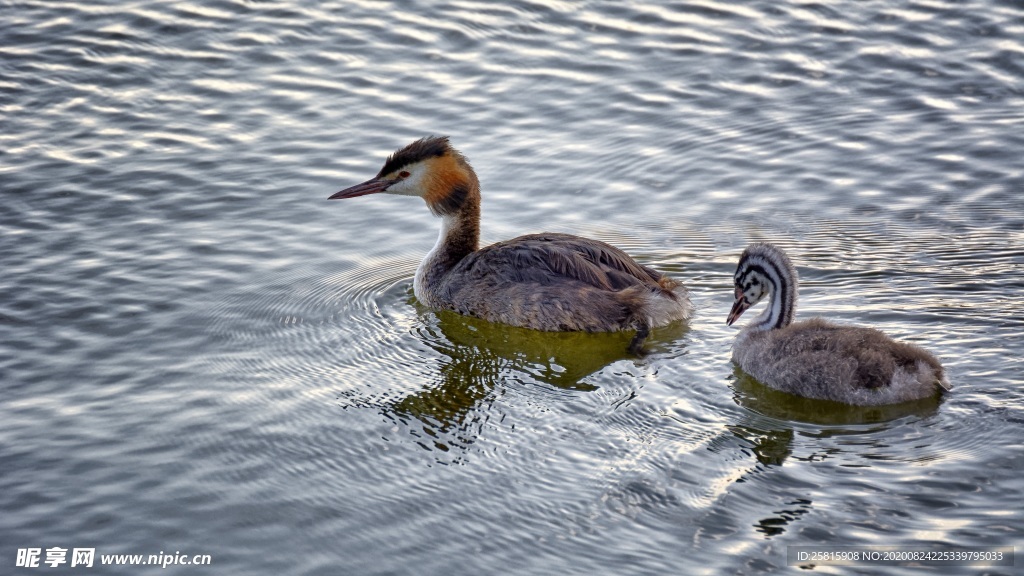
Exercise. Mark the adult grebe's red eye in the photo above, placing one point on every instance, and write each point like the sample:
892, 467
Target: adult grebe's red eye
403, 174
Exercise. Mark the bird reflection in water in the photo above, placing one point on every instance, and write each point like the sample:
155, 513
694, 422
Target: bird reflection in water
769, 429
478, 360
773, 403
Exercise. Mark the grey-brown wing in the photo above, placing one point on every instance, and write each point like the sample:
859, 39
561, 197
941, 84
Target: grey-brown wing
549, 258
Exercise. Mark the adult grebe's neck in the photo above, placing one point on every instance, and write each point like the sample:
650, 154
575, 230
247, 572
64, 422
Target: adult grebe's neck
782, 281
460, 235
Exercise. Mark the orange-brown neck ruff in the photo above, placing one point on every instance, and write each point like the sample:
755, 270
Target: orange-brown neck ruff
450, 184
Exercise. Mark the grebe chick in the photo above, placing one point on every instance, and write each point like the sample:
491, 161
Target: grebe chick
550, 282
815, 358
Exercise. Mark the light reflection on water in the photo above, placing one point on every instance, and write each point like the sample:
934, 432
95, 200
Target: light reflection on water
199, 352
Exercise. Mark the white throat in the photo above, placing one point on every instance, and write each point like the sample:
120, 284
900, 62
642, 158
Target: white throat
423, 285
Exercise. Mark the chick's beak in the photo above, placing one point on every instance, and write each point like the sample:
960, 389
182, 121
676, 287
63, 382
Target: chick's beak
372, 186
739, 306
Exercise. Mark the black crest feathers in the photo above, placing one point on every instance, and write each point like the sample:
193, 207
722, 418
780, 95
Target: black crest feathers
421, 149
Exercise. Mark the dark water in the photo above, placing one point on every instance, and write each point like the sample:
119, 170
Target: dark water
200, 354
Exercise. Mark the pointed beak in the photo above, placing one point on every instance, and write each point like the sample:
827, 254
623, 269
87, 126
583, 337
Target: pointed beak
371, 186
739, 306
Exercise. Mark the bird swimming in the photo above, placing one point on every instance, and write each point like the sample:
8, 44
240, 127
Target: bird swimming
815, 358
549, 281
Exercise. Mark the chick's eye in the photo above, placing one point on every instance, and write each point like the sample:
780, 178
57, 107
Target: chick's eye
403, 174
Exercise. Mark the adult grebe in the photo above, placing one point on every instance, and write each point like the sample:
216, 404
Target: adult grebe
551, 282
815, 358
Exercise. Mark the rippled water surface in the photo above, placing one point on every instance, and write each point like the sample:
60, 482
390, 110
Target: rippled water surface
200, 354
